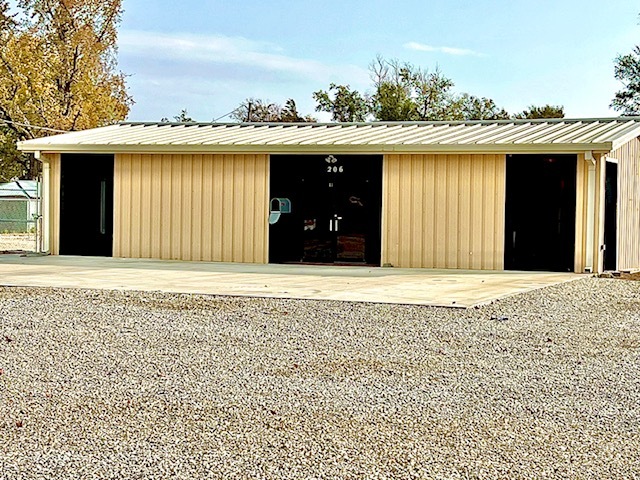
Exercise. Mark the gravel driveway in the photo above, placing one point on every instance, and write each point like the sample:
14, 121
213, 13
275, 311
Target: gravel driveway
99, 384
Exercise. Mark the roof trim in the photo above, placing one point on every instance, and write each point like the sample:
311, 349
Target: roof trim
326, 148
379, 123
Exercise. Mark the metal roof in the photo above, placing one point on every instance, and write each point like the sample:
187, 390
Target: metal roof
19, 189
498, 136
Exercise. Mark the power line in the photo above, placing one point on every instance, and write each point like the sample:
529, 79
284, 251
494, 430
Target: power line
33, 126
225, 115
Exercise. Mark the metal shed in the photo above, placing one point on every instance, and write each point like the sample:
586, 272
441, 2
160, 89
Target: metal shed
553, 194
18, 206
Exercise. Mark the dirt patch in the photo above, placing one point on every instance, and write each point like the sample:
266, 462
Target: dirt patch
621, 275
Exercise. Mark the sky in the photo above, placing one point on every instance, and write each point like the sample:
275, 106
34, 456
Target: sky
207, 56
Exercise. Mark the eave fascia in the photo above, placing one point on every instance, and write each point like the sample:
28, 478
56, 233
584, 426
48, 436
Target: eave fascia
294, 149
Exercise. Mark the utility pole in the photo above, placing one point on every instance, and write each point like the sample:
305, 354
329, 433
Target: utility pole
249, 112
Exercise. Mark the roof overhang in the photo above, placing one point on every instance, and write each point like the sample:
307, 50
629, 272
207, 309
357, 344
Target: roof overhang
322, 149
486, 137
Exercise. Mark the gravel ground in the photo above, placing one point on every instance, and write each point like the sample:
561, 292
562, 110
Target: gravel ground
99, 384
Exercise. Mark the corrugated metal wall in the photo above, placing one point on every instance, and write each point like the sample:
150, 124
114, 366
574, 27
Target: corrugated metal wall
628, 204
444, 211
191, 207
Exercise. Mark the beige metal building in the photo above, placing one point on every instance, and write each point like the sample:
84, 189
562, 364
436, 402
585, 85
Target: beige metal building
554, 194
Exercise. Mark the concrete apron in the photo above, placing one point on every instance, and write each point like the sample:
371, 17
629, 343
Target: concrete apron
446, 288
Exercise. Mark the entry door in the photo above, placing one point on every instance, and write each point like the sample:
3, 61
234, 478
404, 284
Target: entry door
611, 217
335, 209
86, 205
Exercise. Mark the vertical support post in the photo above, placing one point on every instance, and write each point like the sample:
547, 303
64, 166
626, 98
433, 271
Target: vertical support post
45, 206
598, 252
50, 205
590, 224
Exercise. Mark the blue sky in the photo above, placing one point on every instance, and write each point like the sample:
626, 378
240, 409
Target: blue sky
209, 55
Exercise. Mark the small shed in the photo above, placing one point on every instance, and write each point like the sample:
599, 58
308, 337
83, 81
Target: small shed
552, 194
18, 206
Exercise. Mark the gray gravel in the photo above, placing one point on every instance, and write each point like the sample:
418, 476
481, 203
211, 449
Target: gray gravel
98, 384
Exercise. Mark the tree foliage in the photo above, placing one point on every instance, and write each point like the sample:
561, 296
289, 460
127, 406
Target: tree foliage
546, 111
344, 104
627, 70
12, 164
470, 107
401, 92
58, 66
259, 110
392, 100
290, 114
405, 92
424, 96
183, 117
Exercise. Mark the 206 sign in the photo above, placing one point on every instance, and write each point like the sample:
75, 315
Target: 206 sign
332, 167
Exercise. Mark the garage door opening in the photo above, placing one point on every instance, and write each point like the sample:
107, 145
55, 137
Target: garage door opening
540, 212
86, 205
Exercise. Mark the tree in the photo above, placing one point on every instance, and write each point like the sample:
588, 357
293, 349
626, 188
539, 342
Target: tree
470, 107
11, 162
405, 92
546, 111
258, 110
289, 114
182, 118
344, 104
627, 70
58, 67
431, 91
392, 100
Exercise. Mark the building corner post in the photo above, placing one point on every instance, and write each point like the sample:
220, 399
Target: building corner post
598, 213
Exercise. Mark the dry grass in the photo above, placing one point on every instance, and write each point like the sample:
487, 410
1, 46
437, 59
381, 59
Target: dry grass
17, 242
629, 276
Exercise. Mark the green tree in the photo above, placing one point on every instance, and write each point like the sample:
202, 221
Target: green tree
470, 107
58, 68
627, 70
405, 92
393, 98
259, 110
12, 163
344, 104
546, 111
432, 94
290, 114
183, 117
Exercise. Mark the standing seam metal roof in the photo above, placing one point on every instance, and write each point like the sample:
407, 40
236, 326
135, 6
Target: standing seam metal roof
504, 135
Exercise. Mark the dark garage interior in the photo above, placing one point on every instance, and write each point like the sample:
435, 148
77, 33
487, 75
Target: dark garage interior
86, 205
540, 212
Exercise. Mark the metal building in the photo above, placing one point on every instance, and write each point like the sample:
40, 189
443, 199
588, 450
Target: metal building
553, 194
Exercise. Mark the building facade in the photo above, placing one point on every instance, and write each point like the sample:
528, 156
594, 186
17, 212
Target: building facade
556, 195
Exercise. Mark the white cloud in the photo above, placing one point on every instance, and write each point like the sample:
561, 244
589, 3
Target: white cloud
238, 51
448, 50
211, 74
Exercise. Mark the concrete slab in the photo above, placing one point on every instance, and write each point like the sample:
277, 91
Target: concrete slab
449, 288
